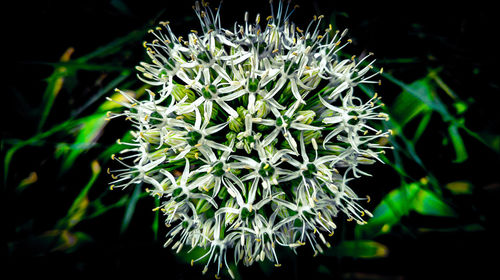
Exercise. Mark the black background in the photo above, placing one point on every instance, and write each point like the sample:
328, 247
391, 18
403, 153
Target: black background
458, 38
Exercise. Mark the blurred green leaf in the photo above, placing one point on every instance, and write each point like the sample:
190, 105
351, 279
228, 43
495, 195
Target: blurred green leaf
458, 144
424, 91
407, 105
115, 147
86, 138
129, 211
31, 179
79, 207
69, 242
54, 85
114, 47
90, 130
460, 187
422, 126
38, 139
190, 255
399, 203
460, 107
428, 203
359, 249
98, 208
156, 220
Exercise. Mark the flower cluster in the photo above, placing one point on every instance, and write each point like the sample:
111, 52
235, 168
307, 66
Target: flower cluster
251, 135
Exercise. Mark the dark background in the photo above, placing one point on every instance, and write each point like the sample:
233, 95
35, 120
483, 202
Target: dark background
459, 39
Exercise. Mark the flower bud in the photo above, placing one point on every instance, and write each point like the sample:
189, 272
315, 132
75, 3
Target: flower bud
180, 91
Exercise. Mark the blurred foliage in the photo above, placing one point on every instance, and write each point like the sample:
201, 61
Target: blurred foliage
57, 203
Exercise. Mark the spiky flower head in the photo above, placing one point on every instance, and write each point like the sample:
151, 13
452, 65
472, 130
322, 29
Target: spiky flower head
251, 135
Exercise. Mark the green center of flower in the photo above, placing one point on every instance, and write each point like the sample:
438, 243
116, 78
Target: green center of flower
204, 56
218, 169
311, 170
354, 120
260, 46
209, 91
266, 170
178, 195
245, 213
253, 84
155, 118
291, 67
193, 137
170, 64
283, 120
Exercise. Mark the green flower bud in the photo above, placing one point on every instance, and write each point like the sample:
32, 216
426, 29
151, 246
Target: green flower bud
180, 91
235, 124
309, 135
306, 117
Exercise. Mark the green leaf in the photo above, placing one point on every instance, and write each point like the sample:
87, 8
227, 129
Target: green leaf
79, 207
428, 203
422, 126
129, 212
156, 220
116, 147
54, 85
359, 249
460, 187
399, 203
91, 129
39, 137
407, 105
424, 91
113, 47
86, 138
458, 144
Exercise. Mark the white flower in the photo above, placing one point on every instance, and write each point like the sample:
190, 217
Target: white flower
264, 124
